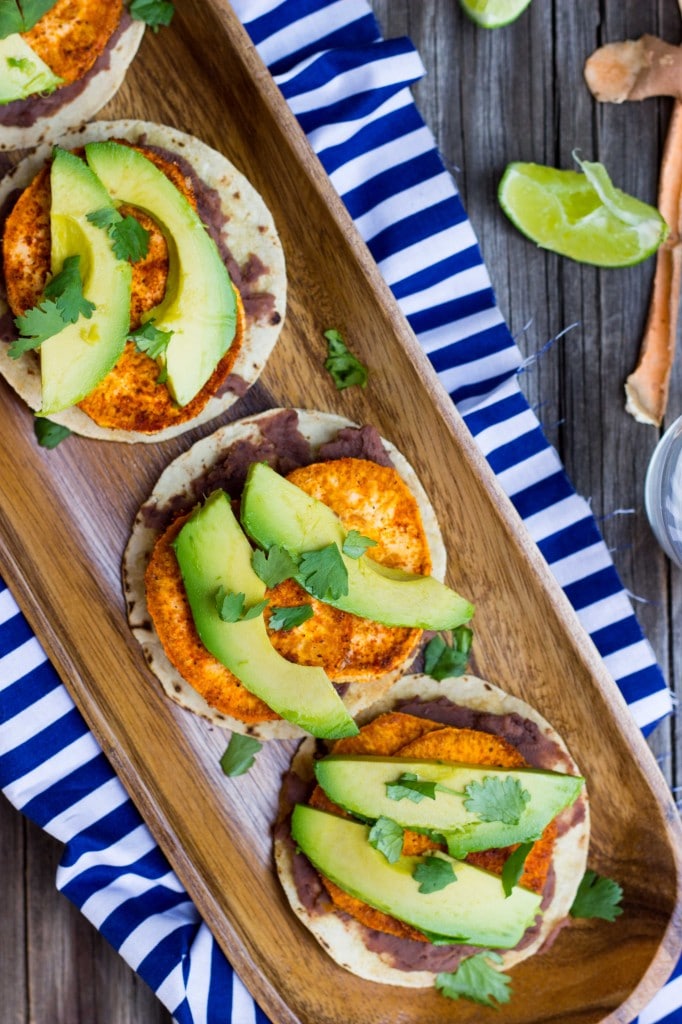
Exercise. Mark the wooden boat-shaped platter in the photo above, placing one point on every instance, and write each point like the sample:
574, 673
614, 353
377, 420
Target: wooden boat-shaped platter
65, 518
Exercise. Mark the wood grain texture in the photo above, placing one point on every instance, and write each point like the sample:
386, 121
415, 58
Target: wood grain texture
490, 97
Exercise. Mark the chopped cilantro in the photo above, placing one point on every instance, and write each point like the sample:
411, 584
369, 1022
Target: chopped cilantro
130, 241
343, 366
513, 867
433, 874
240, 754
386, 836
323, 574
496, 799
443, 660
231, 607
476, 979
597, 897
409, 787
355, 544
152, 12
49, 434
150, 340
288, 617
273, 566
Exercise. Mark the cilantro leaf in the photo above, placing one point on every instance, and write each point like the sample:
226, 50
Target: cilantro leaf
66, 288
386, 836
355, 544
49, 434
22, 64
409, 787
273, 566
597, 897
105, 218
150, 340
231, 607
240, 754
35, 326
433, 874
323, 574
513, 867
130, 239
343, 366
12, 19
443, 660
288, 617
496, 799
152, 12
477, 980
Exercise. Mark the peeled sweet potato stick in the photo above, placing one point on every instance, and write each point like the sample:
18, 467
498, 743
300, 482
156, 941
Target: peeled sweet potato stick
646, 388
637, 70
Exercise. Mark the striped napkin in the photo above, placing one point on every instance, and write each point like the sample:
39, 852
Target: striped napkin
350, 91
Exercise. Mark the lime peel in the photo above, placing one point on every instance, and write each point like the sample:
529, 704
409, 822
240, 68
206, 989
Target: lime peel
494, 13
580, 215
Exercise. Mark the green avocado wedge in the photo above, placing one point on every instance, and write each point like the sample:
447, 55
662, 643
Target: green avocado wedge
213, 553
473, 909
76, 359
199, 308
22, 72
361, 785
276, 512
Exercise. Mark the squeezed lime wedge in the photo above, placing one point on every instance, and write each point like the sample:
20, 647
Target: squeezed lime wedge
580, 215
494, 13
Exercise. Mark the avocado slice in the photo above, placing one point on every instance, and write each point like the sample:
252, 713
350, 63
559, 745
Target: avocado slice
22, 72
73, 361
358, 784
213, 552
199, 307
472, 910
276, 512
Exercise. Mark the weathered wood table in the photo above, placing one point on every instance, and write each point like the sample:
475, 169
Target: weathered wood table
490, 97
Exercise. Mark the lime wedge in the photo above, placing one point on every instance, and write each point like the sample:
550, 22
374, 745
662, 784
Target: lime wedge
580, 215
494, 13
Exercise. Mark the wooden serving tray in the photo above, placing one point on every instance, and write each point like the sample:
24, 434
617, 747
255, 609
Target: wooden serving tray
65, 516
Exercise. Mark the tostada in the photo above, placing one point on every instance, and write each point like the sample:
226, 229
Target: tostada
144, 283
283, 571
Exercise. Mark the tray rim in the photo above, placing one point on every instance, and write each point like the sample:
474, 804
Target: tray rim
47, 633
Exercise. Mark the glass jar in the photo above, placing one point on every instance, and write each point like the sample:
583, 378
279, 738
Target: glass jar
663, 492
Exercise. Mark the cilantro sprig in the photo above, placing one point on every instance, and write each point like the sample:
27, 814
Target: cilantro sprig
409, 786
240, 754
150, 340
49, 434
443, 659
287, 617
597, 896
62, 303
386, 836
513, 867
231, 606
273, 566
323, 573
355, 544
130, 240
434, 873
476, 979
345, 369
496, 799
153, 12
20, 19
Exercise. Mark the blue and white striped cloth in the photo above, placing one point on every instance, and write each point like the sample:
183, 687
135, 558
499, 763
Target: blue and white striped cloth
350, 92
